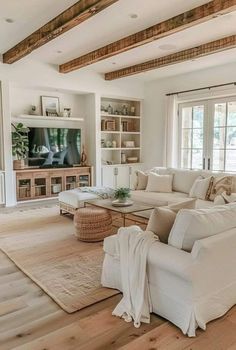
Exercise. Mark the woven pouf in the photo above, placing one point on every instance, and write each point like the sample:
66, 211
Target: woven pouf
92, 224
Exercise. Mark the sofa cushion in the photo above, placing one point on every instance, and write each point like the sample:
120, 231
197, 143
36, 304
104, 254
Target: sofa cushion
162, 218
183, 179
200, 187
192, 225
159, 183
158, 199
202, 204
142, 179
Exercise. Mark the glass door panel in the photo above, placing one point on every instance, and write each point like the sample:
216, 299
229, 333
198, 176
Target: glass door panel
224, 135
192, 126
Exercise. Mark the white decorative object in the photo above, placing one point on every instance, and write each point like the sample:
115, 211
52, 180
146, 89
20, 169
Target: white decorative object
129, 144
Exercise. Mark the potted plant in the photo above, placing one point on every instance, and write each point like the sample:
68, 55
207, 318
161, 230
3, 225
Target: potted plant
122, 194
20, 145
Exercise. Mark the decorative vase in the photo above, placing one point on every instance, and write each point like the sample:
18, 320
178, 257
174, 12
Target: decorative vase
122, 200
83, 157
18, 164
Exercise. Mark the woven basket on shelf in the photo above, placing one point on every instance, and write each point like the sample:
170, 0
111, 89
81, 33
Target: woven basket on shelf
92, 224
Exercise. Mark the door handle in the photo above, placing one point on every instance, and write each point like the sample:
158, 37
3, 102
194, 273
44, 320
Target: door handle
204, 163
209, 164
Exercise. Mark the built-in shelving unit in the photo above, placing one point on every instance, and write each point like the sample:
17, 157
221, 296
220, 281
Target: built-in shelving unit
120, 131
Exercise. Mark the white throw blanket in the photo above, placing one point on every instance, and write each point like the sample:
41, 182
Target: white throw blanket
132, 248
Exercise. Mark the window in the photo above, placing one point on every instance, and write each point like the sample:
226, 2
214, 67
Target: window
207, 135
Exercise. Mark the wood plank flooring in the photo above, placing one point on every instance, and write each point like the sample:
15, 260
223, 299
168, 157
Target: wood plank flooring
30, 320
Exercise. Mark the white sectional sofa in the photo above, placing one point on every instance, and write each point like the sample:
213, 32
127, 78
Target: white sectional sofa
183, 180
189, 288
182, 183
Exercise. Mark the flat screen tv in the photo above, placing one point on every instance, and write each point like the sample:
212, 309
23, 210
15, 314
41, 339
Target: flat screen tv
53, 147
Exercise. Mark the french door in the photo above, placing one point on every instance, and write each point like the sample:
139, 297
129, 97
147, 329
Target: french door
207, 135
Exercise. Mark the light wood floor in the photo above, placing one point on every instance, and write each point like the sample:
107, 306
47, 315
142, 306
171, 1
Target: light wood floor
30, 320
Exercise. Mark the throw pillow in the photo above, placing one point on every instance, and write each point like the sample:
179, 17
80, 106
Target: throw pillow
219, 200
142, 180
192, 225
200, 187
220, 185
159, 183
162, 219
229, 199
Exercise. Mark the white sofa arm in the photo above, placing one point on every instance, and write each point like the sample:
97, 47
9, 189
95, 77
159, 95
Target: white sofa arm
214, 260
171, 259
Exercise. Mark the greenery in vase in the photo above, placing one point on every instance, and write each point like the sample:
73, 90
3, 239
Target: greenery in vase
122, 193
20, 142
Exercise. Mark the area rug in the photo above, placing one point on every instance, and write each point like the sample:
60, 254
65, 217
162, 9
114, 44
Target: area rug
42, 244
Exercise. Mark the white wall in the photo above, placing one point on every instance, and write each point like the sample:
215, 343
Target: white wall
27, 72
155, 104
23, 98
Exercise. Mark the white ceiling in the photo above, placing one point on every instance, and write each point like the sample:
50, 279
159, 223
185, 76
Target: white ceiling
109, 25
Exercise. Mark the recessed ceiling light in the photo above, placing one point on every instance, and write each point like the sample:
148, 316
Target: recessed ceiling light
167, 47
133, 15
113, 63
58, 51
9, 20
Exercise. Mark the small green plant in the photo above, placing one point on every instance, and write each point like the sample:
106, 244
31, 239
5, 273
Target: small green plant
122, 193
20, 142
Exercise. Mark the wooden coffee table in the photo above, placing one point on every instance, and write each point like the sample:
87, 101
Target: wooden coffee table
124, 211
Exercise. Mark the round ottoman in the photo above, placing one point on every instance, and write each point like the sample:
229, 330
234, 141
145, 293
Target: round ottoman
92, 224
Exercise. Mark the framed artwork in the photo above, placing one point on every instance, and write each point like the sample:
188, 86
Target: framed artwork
50, 106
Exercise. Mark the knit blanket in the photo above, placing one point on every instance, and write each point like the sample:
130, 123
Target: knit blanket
132, 247
102, 192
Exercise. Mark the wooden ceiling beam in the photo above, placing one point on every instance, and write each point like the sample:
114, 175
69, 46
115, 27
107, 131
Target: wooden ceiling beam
173, 25
178, 57
70, 18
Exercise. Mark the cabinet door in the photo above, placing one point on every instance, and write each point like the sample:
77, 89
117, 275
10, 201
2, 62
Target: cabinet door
108, 177
123, 176
24, 186
40, 185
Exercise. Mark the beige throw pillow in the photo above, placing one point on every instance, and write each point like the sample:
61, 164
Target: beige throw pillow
200, 187
142, 180
220, 185
162, 218
159, 183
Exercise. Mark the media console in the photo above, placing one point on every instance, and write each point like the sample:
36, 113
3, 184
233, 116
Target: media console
38, 183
